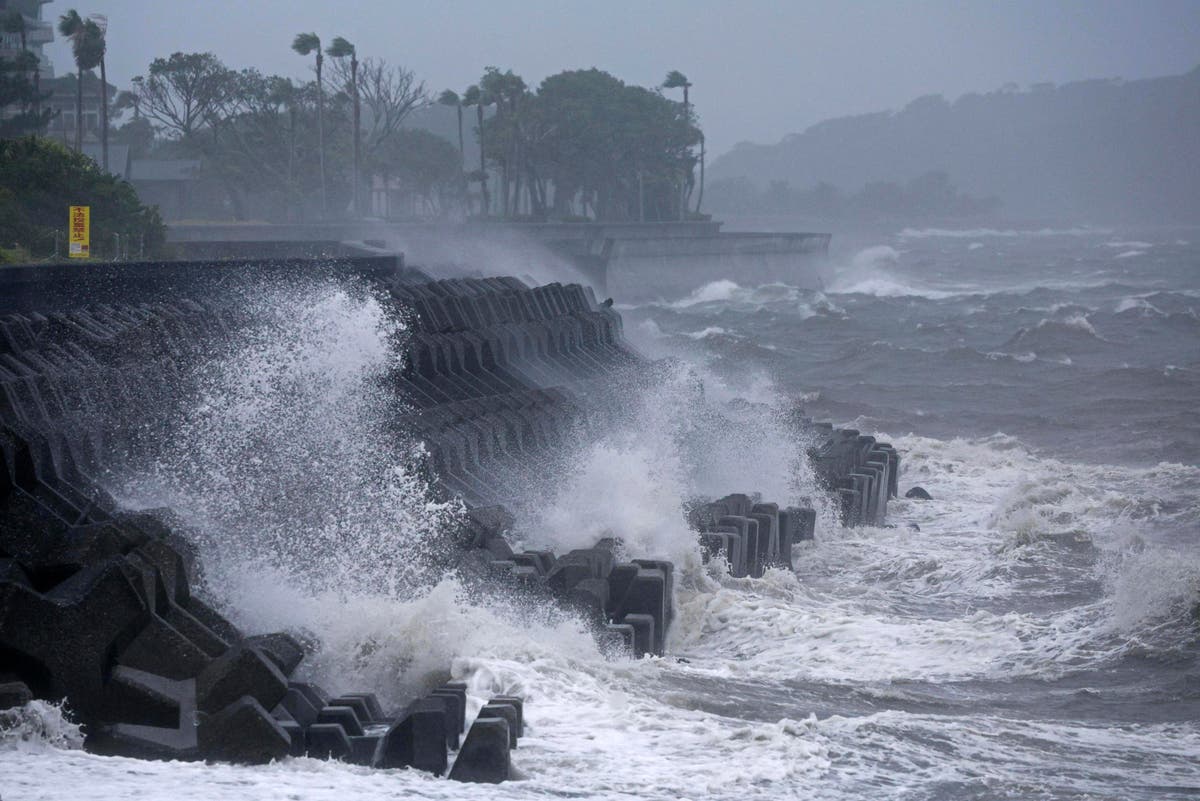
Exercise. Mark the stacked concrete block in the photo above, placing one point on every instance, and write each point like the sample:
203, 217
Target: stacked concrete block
96, 604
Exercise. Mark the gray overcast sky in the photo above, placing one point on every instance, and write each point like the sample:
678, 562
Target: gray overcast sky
760, 69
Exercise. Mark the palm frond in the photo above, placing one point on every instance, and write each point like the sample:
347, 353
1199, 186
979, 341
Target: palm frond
339, 48
70, 23
305, 43
676, 80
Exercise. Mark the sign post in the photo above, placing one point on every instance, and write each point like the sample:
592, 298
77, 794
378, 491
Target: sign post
81, 232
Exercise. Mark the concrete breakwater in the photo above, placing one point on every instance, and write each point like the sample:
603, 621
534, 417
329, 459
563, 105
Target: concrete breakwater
98, 604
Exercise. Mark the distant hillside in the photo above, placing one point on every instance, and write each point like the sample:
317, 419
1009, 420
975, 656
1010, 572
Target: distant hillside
1100, 150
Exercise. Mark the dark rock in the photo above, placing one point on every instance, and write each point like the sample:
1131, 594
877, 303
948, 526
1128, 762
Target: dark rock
343, 716
516, 703
545, 559
299, 707
446, 704
164, 718
364, 750
282, 649
374, 710
162, 649
457, 711
646, 594
509, 714
498, 547
591, 596
914, 527
244, 732
567, 572
214, 621
315, 695
359, 704
327, 741
617, 636
643, 633
242, 670
918, 493
14, 694
418, 740
72, 632
296, 732
484, 757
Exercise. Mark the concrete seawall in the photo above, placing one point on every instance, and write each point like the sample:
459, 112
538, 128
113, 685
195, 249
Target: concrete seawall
99, 605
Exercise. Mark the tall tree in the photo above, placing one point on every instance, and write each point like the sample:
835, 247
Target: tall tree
449, 97
389, 94
475, 97
14, 22
88, 52
603, 142
304, 44
677, 80
186, 92
18, 98
19, 89
339, 49
96, 28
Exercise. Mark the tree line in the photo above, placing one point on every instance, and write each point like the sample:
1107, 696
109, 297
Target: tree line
580, 145
583, 144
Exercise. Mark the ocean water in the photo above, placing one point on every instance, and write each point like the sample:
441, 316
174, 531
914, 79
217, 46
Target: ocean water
1031, 633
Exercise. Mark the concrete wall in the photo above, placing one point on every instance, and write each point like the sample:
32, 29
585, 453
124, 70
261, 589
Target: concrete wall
53, 287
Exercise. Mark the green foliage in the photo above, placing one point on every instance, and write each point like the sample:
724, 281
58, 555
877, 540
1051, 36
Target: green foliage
87, 39
617, 151
40, 179
19, 98
13, 21
185, 92
339, 48
428, 167
306, 43
675, 80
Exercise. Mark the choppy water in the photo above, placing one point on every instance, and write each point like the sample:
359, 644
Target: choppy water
1038, 637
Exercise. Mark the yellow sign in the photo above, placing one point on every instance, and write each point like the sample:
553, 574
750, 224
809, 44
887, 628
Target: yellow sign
81, 232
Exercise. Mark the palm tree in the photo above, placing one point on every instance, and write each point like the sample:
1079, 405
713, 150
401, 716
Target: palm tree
677, 80
88, 49
474, 97
304, 44
96, 28
340, 48
451, 98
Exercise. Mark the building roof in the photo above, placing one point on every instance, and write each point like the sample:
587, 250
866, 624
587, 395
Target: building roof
164, 169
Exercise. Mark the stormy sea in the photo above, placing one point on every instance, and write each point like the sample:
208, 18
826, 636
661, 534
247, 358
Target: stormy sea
1032, 632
